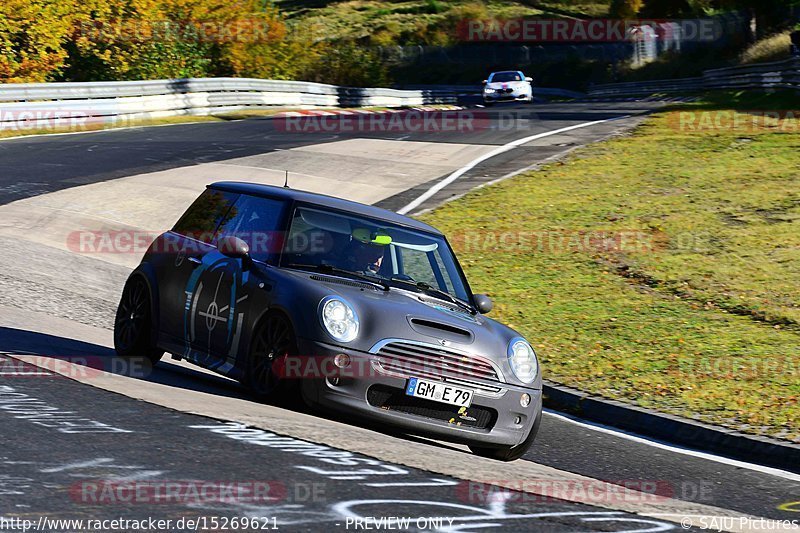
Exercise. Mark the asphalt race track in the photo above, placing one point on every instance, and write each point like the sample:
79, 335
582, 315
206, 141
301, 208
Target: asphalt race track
77, 447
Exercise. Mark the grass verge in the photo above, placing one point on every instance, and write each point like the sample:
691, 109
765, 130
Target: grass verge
660, 268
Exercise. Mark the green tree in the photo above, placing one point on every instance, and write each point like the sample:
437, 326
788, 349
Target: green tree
347, 63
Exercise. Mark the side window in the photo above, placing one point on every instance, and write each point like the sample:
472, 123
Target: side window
255, 220
210, 209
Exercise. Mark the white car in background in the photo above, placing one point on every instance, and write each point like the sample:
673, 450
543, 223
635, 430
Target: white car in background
507, 86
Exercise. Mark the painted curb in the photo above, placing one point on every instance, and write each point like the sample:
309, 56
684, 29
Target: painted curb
673, 429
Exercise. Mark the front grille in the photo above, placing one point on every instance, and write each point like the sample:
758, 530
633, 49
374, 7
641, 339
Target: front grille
408, 359
393, 399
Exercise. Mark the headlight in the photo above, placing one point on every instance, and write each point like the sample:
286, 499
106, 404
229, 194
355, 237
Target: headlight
339, 318
488, 90
522, 359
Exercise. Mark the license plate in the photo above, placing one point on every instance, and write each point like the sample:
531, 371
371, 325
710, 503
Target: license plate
439, 392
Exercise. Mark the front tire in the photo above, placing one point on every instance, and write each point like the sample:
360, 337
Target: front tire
510, 453
272, 343
134, 334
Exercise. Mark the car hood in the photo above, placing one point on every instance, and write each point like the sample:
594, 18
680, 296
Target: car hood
399, 314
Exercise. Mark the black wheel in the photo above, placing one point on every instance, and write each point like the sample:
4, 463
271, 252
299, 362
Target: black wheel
133, 324
510, 453
272, 343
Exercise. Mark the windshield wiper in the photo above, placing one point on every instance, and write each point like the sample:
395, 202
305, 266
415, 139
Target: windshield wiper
421, 285
330, 269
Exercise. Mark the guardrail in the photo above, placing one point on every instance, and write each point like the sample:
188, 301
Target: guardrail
32, 105
476, 90
758, 76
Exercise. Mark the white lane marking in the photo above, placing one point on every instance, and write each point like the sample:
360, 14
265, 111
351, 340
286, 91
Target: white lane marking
497, 151
99, 462
673, 447
434, 482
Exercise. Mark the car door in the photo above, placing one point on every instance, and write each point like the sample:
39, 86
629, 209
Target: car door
180, 252
221, 288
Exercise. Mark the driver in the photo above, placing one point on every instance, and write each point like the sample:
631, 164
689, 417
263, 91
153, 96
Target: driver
363, 256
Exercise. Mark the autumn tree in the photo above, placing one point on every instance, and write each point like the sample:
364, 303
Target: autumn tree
32, 37
96, 40
624, 9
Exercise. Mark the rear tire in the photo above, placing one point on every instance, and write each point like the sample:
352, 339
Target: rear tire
134, 334
272, 343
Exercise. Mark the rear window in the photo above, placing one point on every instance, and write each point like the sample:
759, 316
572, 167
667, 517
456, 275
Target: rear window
201, 220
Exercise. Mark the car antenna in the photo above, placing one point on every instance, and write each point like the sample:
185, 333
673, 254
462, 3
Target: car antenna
286, 181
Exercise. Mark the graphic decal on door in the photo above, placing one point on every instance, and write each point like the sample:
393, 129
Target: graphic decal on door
214, 314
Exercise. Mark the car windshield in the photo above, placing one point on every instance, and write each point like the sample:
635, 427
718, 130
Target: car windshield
394, 255
505, 76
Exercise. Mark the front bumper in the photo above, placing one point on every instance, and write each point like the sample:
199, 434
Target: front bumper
366, 390
507, 97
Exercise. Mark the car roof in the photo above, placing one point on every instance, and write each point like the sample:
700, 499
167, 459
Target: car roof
284, 193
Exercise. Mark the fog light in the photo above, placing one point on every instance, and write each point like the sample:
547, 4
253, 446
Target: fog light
525, 400
341, 360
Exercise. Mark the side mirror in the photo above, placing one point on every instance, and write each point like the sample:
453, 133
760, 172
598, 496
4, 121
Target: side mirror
485, 82
483, 303
234, 247
529, 79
